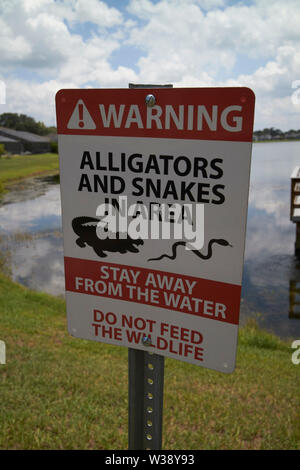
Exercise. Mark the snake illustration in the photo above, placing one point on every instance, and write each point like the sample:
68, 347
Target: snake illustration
219, 241
86, 229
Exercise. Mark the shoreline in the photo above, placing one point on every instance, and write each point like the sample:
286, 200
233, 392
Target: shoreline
16, 168
274, 140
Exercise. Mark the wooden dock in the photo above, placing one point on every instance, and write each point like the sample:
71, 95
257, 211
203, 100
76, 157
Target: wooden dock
295, 206
295, 195
294, 310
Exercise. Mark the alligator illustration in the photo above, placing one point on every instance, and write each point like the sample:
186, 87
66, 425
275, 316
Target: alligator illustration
85, 228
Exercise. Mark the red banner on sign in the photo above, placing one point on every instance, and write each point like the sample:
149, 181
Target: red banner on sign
182, 113
186, 294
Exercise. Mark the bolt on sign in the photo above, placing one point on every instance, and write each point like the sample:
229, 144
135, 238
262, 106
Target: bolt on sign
154, 191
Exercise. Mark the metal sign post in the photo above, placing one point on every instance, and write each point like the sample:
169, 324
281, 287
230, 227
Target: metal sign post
145, 387
145, 392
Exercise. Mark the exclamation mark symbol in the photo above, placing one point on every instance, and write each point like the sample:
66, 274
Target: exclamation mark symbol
80, 118
80, 111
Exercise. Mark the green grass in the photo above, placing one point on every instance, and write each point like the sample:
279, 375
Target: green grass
16, 167
59, 392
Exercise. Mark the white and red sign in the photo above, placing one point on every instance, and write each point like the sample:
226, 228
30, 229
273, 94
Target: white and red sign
192, 147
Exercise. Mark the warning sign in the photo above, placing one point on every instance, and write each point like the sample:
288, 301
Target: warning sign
154, 202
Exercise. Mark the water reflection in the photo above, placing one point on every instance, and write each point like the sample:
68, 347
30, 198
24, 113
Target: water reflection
271, 268
271, 279
32, 206
30, 234
38, 263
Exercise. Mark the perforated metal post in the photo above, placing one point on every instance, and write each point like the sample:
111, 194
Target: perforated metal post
146, 384
145, 380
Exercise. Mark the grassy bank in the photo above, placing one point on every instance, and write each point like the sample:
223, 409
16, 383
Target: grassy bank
16, 167
59, 392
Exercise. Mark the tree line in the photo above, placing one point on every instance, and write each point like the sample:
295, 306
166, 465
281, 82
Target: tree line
271, 133
21, 122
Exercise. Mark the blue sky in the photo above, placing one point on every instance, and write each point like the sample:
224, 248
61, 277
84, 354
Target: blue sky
46, 45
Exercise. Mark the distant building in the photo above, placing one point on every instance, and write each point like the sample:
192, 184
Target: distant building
52, 137
27, 141
266, 137
11, 145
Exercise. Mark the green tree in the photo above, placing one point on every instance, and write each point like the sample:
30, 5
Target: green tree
22, 122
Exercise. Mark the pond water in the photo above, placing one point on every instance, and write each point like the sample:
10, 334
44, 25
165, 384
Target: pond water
30, 217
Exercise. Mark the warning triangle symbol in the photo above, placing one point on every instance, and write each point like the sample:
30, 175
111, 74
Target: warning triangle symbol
81, 118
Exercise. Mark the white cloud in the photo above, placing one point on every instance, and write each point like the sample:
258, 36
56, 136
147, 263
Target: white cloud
186, 46
96, 12
272, 85
179, 35
35, 37
184, 42
35, 33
